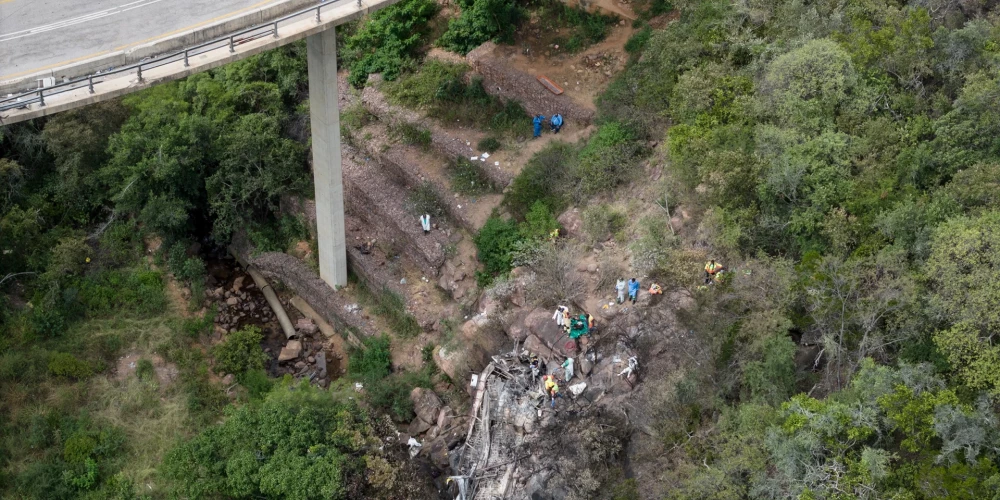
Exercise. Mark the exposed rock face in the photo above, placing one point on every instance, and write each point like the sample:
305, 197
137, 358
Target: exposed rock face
571, 221
426, 405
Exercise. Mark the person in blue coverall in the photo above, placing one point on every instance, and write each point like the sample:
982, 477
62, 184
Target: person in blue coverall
633, 289
538, 121
556, 122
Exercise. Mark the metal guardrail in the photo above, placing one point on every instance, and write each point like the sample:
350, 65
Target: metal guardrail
37, 96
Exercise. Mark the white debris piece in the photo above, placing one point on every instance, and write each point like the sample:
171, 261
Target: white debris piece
414, 447
473, 158
577, 389
475, 380
486, 155
496, 163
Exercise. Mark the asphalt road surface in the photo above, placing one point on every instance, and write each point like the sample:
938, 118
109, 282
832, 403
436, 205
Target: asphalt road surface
36, 35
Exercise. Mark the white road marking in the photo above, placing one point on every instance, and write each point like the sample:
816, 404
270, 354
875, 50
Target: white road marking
77, 20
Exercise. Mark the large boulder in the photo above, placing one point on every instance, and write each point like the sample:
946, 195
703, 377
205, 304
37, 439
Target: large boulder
426, 405
536, 346
291, 351
306, 326
517, 329
542, 326
417, 427
571, 221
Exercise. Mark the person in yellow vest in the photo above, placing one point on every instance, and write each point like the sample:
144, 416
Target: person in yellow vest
655, 289
711, 270
552, 388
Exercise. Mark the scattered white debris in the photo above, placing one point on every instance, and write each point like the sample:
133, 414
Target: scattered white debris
414, 447
358, 387
486, 155
402, 281
473, 158
496, 163
352, 308
475, 380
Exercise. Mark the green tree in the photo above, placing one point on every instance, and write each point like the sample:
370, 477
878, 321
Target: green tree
806, 87
387, 41
479, 22
257, 166
964, 269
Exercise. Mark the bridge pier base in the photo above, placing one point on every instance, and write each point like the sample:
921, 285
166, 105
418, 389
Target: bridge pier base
324, 112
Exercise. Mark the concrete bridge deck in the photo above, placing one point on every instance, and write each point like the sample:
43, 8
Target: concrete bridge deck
106, 60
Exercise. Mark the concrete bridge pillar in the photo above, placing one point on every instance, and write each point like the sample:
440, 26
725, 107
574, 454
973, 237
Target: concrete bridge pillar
324, 115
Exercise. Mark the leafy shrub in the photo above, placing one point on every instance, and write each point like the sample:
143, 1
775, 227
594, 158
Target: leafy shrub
545, 178
240, 351
265, 449
387, 41
586, 28
69, 257
392, 395
490, 144
440, 88
495, 243
601, 221
63, 364
257, 383
199, 325
120, 292
538, 222
608, 160
481, 21
424, 87
144, 369
637, 42
121, 243
278, 236
373, 361
468, 178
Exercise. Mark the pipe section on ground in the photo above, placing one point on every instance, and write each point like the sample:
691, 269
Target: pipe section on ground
269, 295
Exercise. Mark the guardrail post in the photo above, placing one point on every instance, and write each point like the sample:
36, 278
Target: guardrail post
231, 49
41, 99
186, 59
317, 15
90, 84
276, 29
139, 72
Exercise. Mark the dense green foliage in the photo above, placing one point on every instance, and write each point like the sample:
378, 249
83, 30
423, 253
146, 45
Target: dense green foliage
387, 41
240, 352
481, 21
385, 390
441, 89
298, 443
583, 28
840, 157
